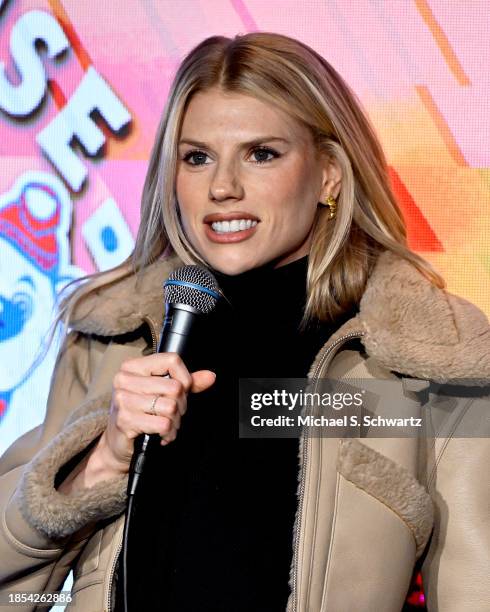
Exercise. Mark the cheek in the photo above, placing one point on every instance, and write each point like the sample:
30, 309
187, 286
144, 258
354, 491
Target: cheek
299, 181
184, 216
290, 226
299, 201
183, 192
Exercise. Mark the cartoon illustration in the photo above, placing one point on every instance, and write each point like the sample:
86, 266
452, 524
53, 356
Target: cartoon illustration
34, 266
107, 235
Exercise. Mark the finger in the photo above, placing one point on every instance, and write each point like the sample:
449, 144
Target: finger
201, 380
134, 424
131, 404
168, 438
169, 408
159, 364
150, 385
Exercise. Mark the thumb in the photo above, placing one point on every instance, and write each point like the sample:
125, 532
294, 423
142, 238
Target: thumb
201, 380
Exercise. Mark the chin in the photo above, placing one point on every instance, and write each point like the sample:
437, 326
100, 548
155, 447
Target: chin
231, 268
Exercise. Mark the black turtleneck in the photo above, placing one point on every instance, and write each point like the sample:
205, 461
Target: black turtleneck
212, 529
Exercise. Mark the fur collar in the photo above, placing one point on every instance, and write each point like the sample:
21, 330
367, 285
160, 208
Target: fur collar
409, 325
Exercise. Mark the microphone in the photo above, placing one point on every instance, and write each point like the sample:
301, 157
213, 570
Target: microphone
189, 293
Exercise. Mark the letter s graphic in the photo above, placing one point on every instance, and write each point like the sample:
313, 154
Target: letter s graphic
21, 100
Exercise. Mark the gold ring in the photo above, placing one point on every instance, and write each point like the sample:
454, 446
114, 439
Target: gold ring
152, 407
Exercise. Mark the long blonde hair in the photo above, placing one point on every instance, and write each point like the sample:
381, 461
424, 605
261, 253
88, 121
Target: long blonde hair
287, 73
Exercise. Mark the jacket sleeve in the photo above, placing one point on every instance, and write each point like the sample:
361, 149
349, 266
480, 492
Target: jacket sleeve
41, 530
456, 569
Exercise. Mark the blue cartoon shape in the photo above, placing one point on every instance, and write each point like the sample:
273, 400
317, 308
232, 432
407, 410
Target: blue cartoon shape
14, 313
34, 266
109, 238
107, 235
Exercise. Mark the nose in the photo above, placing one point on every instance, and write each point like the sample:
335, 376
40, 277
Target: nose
225, 183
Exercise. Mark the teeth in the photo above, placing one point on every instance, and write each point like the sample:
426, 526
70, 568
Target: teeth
237, 225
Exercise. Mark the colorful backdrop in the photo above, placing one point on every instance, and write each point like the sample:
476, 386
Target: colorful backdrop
82, 85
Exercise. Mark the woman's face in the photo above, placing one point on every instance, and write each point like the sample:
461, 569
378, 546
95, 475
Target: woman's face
242, 159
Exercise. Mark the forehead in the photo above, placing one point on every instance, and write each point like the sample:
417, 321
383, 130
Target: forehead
221, 113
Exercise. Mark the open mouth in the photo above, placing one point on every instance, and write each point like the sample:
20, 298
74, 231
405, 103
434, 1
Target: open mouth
236, 225
233, 230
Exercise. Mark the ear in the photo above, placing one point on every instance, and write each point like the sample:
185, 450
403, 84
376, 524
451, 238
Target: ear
332, 178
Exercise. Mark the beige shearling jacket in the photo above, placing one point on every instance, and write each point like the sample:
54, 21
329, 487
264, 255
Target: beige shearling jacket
368, 508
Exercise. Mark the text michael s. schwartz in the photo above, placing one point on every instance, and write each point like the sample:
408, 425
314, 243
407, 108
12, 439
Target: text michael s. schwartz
344, 421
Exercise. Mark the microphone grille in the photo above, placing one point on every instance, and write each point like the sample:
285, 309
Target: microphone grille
193, 286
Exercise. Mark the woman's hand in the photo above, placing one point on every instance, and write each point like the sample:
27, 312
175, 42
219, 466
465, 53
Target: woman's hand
134, 387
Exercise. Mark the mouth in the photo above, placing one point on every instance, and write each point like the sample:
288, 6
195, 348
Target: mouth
230, 227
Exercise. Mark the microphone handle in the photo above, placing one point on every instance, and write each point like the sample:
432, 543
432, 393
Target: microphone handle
177, 325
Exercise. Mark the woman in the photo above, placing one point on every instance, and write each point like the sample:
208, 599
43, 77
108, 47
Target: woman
266, 171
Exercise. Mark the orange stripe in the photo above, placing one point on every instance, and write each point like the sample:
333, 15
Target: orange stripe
442, 42
441, 125
58, 95
76, 44
421, 237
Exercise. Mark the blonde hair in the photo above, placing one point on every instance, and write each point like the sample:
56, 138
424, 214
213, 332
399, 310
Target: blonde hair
290, 75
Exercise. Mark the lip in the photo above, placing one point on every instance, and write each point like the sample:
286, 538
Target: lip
229, 217
232, 236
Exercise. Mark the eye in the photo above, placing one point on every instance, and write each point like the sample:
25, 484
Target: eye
263, 155
262, 152
199, 155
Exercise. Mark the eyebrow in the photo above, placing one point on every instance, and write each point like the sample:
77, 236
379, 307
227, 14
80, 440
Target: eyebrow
250, 143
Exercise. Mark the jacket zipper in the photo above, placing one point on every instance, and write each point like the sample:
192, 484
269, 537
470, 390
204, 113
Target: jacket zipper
111, 573
151, 325
154, 335
321, 364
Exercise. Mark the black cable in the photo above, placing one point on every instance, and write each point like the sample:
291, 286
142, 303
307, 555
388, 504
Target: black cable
136, 468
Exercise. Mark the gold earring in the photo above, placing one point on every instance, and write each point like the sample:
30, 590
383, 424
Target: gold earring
331, 202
